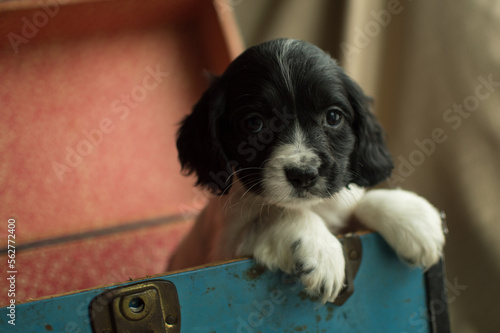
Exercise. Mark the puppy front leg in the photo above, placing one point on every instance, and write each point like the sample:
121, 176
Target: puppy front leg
299, 243
408, 222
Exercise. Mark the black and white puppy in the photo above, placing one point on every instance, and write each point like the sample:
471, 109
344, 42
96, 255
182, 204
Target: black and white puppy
286, 140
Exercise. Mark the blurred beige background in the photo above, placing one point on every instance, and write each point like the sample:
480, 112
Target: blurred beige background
433, 68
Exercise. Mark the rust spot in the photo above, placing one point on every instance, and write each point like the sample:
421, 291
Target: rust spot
209, 290
330, 313
304, 295
318, 318
49, 327
302, 328
255, 272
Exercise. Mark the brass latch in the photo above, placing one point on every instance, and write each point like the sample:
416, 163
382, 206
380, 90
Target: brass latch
146, 307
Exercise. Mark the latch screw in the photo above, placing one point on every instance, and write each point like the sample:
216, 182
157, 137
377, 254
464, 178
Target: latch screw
171, 320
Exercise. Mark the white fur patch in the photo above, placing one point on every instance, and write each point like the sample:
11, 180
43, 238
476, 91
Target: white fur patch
296, 154
282, 55
335, 211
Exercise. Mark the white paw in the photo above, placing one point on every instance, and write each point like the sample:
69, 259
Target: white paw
320, 266
317, 261
408, 222
300, 244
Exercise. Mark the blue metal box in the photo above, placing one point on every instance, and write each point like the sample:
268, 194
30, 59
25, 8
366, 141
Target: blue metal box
240, 296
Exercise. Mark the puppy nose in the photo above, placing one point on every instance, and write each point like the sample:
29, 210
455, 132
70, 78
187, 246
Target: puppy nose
302, 177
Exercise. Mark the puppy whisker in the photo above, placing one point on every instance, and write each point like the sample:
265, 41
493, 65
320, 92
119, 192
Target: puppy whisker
234, 173
240, 198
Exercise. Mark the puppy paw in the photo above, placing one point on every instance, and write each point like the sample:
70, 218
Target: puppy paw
320, 266
301, 245
408, 222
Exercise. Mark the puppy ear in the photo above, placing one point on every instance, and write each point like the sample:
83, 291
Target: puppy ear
371, 161
199, 141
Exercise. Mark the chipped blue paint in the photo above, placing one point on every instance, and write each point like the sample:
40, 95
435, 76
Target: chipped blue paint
240, 297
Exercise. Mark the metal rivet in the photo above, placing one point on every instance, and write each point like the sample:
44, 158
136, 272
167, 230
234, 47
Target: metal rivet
353, 255
170, 320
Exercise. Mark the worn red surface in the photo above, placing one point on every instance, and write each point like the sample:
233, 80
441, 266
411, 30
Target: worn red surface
89, 103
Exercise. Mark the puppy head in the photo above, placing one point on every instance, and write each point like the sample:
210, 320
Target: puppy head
288, 122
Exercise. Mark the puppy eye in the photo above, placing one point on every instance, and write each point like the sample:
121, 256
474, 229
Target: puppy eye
334, 117
253, 124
